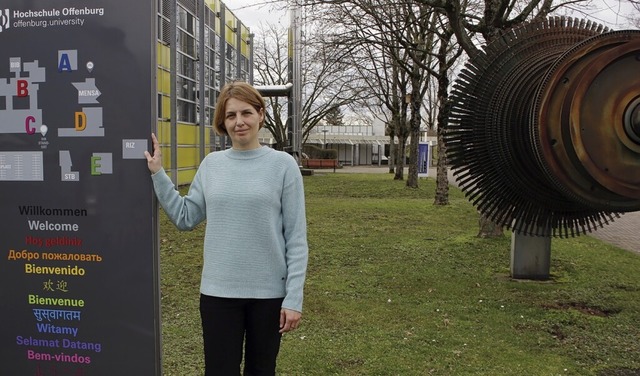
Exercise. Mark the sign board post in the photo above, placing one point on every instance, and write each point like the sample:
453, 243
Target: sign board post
79, 279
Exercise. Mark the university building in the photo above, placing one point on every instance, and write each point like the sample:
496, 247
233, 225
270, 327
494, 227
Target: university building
362, 145
212, 47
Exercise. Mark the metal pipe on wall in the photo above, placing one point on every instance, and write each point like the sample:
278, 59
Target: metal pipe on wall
201, 79
173, 99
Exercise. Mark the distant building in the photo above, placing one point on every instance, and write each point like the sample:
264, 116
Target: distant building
228, 55
359, 145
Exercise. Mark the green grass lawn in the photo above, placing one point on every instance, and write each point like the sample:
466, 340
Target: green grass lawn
398, 286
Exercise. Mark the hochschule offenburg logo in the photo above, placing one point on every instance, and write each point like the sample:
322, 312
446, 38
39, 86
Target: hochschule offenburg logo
4, 19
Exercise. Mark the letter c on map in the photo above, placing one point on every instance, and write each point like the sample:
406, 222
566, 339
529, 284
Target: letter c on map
30, 130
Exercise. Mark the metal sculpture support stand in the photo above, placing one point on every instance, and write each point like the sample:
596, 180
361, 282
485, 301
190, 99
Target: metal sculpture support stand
530, 256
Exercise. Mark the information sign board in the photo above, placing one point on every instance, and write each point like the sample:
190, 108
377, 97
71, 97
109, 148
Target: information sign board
78, 247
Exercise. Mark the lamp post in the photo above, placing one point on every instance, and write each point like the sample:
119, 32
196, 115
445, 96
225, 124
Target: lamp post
324, 138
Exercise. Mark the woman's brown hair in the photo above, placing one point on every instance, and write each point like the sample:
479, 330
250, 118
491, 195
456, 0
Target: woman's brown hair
241, 91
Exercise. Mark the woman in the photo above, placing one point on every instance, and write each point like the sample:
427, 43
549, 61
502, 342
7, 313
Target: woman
255, 244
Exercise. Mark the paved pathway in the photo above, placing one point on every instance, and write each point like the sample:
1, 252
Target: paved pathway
624, 232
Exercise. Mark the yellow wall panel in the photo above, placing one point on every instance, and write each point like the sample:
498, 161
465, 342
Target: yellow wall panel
188, 157
166, 108
166, 158
164, 81
188, 134
229, 16
188, 138
244, 49
163, 55
163, 84
229, 35
231, 22
186, 176
164, 132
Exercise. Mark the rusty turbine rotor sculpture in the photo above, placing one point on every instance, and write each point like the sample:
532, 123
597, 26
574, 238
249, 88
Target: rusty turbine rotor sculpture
544, 129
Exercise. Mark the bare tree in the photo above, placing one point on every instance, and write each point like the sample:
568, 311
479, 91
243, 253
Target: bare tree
635, 4
388, 86
270, 61
447, 56
632, 17
615, 14
399, 31
334, 117
327, 81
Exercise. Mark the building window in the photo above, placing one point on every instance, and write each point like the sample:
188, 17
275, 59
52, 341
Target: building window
186, 112
209, 17
243, 69
210, 96
210, 57
231, 52
186, 65
186, 20
186, 43
212, 38
209, 119
186, 88
210, 77
159, 114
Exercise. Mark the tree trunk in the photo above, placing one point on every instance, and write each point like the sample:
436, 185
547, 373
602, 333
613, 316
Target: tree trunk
412, 180
399, 157
489, 229
416, 120
392, 158
444, 106
281, 144
442, 172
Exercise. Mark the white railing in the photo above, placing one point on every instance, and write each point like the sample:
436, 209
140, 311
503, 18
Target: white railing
347, 130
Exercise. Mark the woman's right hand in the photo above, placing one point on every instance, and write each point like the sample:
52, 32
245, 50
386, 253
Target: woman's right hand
154, 162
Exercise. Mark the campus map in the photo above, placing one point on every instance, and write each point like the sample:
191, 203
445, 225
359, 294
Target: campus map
21, 112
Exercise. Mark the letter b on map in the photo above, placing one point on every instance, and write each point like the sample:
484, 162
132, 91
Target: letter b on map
4, 19
22, 88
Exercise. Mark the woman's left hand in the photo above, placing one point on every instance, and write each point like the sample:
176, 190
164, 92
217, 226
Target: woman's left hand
289, 320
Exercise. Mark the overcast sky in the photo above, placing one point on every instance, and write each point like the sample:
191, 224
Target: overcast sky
254, 12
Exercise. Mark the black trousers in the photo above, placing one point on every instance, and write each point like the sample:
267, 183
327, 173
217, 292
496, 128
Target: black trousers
227, 324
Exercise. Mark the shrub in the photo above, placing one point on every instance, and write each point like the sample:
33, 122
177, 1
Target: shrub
314, 152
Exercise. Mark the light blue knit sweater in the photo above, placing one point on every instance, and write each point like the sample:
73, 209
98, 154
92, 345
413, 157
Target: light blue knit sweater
255, 243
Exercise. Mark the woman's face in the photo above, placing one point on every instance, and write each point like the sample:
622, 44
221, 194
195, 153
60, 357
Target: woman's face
242, 123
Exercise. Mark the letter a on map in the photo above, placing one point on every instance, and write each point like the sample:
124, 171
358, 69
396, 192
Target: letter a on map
64, 64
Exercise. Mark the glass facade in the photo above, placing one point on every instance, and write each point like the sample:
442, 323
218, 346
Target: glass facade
226, 52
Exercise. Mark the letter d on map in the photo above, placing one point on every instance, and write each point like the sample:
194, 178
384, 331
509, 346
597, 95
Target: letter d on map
81, 121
